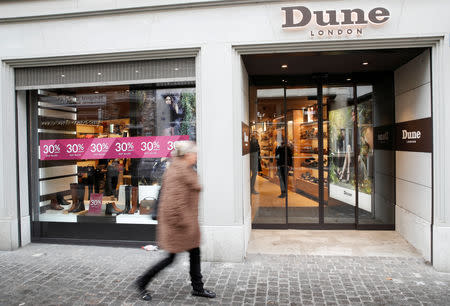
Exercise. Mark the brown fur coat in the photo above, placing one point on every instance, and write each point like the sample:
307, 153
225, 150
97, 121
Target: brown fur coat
178, 228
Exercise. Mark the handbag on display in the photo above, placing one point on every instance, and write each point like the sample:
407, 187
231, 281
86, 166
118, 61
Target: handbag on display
148, 199
147, 205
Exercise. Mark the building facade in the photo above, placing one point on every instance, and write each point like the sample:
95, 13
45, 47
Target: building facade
93, 96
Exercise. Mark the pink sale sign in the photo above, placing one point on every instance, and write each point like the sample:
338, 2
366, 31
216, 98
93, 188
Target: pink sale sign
109, 148
95, 203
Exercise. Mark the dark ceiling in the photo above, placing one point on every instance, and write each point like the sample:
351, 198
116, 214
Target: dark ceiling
335, 62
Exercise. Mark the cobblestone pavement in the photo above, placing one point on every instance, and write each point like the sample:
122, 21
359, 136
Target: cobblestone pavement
44, 274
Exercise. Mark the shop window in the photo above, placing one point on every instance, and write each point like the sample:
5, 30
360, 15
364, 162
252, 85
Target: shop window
102, 151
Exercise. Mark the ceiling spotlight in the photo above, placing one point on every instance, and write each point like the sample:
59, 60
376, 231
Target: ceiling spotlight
96, 92
176, 69
365, 63
63, 75
99, 73
349, 79
137, 71
284, 66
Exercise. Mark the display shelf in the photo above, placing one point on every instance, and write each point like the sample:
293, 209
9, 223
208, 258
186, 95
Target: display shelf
315, 168
310, 188
309, 123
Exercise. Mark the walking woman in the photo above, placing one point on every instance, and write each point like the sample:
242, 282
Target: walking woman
178, 229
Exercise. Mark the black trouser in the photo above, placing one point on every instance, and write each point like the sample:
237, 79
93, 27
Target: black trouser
254, 165
282, 176
196, 276
253, 179
111, 185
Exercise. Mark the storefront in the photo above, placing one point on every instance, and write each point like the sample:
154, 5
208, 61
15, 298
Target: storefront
93, 99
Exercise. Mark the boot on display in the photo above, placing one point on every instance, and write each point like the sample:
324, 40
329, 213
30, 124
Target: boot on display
127, 199
116, 209
112, 208
60, 199
74, 193
134, 200
80, 193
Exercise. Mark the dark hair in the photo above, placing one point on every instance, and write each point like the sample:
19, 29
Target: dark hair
172, 98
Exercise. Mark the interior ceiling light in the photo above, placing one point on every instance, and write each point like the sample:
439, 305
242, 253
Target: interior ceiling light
365, 63
176, 69
284, 66
95, 91
349, 79
137, 71
63, 75
99, 73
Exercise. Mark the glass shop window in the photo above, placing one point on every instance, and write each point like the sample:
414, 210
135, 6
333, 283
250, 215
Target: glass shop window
103, 150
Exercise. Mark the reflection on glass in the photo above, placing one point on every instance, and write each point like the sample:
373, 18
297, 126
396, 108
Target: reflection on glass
376, 200
365, 156
341, 198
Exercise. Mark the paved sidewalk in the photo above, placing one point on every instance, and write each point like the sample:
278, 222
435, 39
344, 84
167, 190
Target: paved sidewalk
43, 274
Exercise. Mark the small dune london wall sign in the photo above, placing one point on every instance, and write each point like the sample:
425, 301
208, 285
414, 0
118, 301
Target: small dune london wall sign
416, 135
333, 23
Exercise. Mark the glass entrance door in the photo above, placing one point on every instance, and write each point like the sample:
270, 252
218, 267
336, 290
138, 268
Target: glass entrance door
339, 126
267, 171
310, 147
284, 156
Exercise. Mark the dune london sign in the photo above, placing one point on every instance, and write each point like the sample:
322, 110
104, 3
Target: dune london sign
333, 23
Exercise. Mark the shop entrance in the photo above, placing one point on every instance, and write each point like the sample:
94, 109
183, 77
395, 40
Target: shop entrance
313, 160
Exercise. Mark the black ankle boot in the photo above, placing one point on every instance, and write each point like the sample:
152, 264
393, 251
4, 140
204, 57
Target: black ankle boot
204, 293
80, 193
127, 199
80, 207
60, 199
109, 209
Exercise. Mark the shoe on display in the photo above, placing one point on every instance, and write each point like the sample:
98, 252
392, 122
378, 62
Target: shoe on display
109, 209
112, 208
80, 207
204, 293
55, 205
74, 193
134, 200
61, 200
127, 199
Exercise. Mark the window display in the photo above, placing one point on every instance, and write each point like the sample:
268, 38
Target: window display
103, 150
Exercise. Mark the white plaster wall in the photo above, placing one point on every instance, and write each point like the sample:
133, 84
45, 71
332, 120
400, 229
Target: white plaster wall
23, 168
414, 169
9, 232
222, 214
242, 91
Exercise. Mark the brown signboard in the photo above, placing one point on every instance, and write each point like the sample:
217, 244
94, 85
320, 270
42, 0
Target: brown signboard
384, 137
416, 136
245, 139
